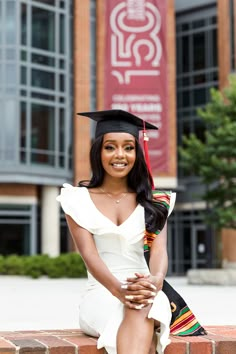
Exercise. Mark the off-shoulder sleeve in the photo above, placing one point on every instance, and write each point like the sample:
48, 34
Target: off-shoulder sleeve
74, 202
166, 198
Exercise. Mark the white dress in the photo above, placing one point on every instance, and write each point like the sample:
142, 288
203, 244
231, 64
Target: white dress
121, 249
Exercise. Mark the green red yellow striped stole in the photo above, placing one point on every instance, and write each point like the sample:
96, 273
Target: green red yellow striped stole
163, 198
183, 321
186, 324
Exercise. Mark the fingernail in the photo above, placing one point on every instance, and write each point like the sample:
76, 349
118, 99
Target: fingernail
153, 294
129, 297
150, 301
124, 286
139, 307
154, 287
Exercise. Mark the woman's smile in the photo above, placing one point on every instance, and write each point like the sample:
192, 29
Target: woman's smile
119, 165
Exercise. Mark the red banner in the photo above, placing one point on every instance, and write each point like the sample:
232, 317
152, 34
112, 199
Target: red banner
136, 68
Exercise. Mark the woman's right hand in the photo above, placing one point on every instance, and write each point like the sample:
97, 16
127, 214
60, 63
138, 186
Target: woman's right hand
137, 294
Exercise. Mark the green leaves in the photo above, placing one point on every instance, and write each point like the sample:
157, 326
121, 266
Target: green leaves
68, 265
214, 160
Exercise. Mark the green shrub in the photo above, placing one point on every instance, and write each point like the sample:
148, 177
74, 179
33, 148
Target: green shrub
1, 264
35, 266
13, 265
68, 265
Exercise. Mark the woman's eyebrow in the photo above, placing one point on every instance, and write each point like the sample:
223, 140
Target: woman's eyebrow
114, 141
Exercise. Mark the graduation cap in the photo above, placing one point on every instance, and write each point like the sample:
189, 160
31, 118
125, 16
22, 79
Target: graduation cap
117, 120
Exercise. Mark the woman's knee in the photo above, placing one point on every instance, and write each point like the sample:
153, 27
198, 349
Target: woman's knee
136, 315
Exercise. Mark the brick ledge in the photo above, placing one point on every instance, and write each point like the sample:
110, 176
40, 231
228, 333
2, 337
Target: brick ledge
220, 340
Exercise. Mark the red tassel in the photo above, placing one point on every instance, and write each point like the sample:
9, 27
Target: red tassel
146, 154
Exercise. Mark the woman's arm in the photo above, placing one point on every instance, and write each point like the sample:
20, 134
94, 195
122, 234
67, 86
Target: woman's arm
158, 263
85, 245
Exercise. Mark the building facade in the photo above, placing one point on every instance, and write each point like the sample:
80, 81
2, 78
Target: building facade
36, 108
52, 66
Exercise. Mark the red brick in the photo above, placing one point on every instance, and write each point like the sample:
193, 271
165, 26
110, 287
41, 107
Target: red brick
56, 345
29, 346
177, 346
6, 347
223, 344
226, 347
228, 331
86, 345
198, 345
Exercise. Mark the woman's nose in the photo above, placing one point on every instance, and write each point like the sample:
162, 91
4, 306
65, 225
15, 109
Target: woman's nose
120, 152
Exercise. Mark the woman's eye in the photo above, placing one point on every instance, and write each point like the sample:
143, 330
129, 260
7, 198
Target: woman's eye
129, 148
108, 147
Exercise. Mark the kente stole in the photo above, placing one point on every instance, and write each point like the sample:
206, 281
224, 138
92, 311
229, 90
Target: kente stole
183, 321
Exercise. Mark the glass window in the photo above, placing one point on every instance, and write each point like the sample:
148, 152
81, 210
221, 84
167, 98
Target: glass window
62, 33
62, 4
200, 96
42, 134
23, 55
62, 82
186, 81
23, 92
23, 78
10, 54
43, 29
10, 75
62, 129
42, 96
43, 79
23, 131
48, 2
214, 56
42, 59
14, 238
1, 27
197, 69
62, 63
199, 129
185, 54
186, 98
185, 27
9, 141
199, 47
62, 137
23, 24
11, 22
199, 79
198, 23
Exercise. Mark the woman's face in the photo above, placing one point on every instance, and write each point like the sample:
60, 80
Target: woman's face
118, 154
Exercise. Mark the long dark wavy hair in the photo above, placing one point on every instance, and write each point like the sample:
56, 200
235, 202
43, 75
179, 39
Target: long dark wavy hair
139, 180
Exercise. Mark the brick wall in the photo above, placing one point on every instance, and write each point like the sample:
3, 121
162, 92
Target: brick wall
220, 340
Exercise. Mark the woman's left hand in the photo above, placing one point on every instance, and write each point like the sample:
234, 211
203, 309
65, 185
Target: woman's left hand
148, 281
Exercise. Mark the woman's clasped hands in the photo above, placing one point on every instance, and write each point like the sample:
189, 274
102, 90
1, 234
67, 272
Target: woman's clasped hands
139, 291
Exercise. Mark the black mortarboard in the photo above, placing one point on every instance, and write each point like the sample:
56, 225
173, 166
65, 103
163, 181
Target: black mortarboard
117, 120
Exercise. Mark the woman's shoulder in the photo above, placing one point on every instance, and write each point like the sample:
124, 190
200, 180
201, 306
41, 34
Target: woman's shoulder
72, 192
75, 202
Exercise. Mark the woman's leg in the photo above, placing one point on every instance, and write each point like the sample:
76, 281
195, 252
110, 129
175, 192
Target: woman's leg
153, 345
135, 334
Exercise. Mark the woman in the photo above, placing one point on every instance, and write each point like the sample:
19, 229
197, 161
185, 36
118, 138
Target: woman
124, 304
